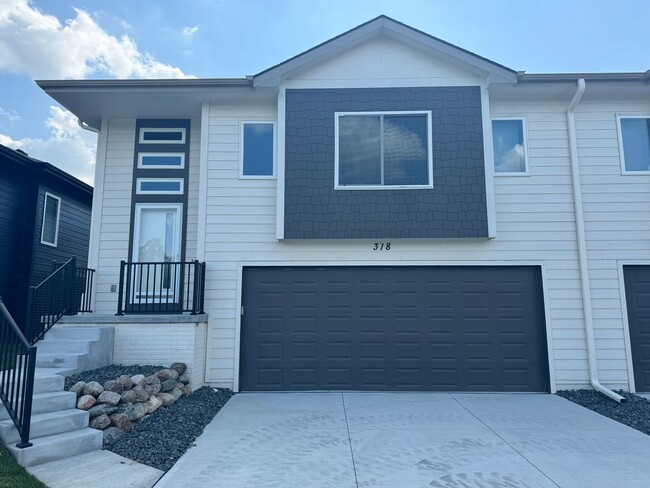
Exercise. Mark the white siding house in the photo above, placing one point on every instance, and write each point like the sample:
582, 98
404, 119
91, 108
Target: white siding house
476, 283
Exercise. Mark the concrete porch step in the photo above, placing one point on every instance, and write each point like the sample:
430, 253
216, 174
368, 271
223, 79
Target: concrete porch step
78, 333
48, 402
45, 382
58, 446
60, 359
48, 345
45, 424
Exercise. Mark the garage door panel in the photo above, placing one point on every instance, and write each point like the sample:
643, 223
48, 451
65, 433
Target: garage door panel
394, 328
637, 292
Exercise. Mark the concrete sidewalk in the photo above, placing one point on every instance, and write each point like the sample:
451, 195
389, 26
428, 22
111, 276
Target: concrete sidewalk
410, 440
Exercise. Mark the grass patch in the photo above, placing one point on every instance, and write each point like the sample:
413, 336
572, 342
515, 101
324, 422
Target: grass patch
12, 475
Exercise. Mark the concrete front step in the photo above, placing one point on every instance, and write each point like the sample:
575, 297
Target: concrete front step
63, 345
48, 402
44, 424
45, 382
73, 360
78, 333
59, 446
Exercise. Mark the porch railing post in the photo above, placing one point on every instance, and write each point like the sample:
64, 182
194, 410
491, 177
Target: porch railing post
120, 309
70, 284
196, 289
30, 314
27, 400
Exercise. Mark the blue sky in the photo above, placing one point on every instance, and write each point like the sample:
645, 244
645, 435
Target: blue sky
56, 39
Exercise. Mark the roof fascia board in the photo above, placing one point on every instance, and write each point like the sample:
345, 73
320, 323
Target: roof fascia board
642, 77
187, 84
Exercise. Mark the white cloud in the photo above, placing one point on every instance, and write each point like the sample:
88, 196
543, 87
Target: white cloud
10, 114
69, 147
37, 44
190, 31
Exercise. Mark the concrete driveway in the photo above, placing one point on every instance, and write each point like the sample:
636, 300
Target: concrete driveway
410, 440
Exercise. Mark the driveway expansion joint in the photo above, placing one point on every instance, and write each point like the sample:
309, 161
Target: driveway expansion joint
347, 426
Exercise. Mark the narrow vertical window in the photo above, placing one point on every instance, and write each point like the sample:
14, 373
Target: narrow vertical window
508, 139
258, 149
51, 213
635, 144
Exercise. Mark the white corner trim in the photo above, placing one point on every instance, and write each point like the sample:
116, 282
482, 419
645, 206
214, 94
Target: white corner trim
488, 157
203, 181
280, 168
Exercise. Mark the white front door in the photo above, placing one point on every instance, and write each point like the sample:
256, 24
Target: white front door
156, 239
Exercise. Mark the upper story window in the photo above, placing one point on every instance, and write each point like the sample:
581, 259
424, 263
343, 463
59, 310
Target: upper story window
257, 150
162, 135
379, 150
509, 142
634, 143
161, 160
51, 214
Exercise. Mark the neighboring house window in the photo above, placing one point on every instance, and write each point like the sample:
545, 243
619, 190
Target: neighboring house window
162, 135
51, 213
509, 142
634, 143
379, 150
257, 149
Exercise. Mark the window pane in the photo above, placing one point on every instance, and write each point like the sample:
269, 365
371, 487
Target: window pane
359, 150
636, 144
172, 186
50, 219
258, 150
508, 141
172, 161
405, 150
162, 135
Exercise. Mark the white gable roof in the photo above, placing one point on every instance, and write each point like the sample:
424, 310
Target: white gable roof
385, 26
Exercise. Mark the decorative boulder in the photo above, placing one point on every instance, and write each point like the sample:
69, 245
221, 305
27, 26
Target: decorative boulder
102, 409
186, 390
167, 374
100, 422
114, 385
152, 380
125, 379
138, 379
167, 385
110, 397
176, 393
184, 379
139, 410
78, 388
93, 388
85, 402
121, 421
111, 434
136, 395
179, 367
166, 399
153, 404
152, 389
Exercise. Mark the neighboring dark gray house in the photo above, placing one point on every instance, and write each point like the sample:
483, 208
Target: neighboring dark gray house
44, 217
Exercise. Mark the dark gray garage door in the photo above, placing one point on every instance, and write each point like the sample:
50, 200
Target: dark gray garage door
637, 292
393, 328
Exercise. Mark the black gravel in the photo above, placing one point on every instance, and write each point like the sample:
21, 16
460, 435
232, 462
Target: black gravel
633, 412
160, 439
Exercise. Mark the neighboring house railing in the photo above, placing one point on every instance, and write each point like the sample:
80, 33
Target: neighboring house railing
167, 287
66, 291
17, 367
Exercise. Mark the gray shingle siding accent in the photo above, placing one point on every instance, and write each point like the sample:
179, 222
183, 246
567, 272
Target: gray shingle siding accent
455, 207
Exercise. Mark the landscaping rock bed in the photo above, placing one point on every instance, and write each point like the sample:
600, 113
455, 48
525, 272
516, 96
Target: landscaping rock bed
155, 430
633, 412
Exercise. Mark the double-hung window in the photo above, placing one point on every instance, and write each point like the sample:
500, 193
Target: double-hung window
51, 213
381, 150
634, 144
509, 143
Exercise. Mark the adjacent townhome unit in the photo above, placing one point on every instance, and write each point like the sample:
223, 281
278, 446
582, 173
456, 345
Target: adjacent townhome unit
385, 211
44, 222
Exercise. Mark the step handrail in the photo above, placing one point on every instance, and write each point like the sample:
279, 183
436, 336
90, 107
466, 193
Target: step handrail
17, 371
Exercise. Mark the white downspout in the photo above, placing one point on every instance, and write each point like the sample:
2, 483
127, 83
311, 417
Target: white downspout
582, 246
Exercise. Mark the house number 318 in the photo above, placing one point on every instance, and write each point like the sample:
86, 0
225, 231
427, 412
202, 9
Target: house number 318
381, 246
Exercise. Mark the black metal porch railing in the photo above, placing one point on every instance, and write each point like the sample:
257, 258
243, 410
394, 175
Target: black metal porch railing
17, 368
167, 287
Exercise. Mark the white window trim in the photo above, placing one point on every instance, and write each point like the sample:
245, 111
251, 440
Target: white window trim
384, 187
144, 130
524, 128
139, 191
621, 151
242, 176
58, 216
160, 166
